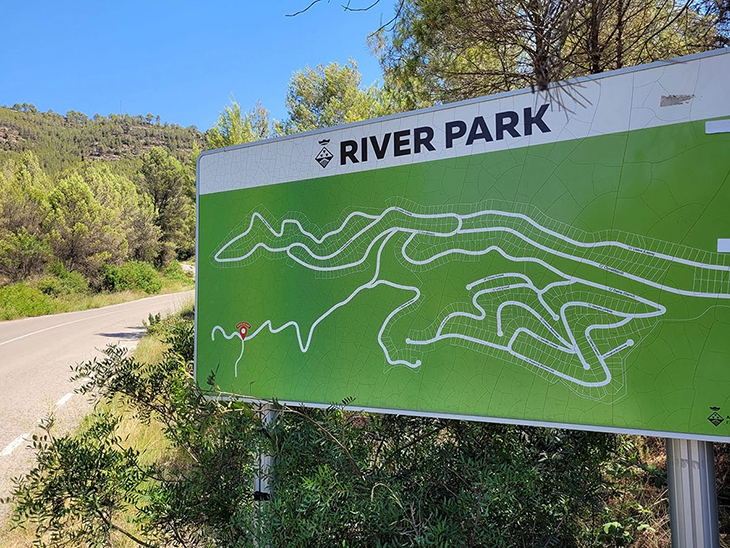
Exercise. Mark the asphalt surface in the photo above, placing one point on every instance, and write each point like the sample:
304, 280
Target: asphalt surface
36, 355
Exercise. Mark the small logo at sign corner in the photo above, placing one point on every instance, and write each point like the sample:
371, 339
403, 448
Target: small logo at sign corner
715, 417
324, 156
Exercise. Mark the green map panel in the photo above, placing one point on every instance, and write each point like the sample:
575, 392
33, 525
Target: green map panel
573, 283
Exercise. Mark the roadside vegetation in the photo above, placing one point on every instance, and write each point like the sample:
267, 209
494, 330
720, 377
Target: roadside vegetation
158, 464
61, 290
91, 235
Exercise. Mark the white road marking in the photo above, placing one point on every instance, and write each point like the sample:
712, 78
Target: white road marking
570, 347
8, 450
13, 445
63, 400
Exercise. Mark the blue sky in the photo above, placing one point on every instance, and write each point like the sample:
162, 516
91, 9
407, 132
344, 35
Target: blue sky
180, 60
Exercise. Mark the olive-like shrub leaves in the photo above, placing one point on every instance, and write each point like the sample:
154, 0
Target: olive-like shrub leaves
339, 477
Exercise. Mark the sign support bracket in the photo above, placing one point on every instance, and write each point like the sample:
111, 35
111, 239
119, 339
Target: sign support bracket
692, 494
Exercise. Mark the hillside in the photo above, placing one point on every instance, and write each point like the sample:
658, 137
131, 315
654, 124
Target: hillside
62, 141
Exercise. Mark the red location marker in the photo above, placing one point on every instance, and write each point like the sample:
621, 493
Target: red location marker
243, 328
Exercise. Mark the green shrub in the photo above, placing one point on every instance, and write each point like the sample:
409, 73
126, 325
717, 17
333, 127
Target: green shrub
50, 285
62, 281
20, 300
340, 478
141, 275
186, 250
111, 279
22, 254
154, 323
174, 271
75, 282
89, 469
131, 275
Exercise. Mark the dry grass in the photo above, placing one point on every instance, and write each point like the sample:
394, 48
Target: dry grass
150, 349
98, 300
16, 538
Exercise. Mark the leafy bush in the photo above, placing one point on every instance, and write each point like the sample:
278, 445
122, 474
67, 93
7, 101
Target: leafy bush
110, 277
638, 512
154, 323
131, 275
340, 478
186, 250
401, 481
50, 285
22, 254
20, 300
89, 474
62, 281
174, 271
141, 275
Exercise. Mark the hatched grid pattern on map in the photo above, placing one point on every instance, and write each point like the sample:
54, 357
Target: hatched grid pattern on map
577, 329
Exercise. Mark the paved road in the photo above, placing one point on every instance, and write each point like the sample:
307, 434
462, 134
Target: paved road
35, 359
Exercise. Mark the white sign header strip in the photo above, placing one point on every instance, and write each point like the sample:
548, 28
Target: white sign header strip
661, 94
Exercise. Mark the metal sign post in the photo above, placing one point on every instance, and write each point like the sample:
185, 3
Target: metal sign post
692, 494
262, 480
262, 483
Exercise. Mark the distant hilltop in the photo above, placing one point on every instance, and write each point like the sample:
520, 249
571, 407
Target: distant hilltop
61, 141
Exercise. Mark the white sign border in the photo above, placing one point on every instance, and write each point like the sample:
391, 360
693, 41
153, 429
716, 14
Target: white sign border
427, 414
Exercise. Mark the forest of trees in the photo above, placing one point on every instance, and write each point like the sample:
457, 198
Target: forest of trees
88, 192
88, 195
63, 141
90, 205
90, 215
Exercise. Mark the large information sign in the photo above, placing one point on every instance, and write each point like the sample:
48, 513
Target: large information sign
558, 259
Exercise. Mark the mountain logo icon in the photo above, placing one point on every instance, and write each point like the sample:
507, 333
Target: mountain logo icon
324, 157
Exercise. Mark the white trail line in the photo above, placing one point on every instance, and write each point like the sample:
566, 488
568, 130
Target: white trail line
569, 347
